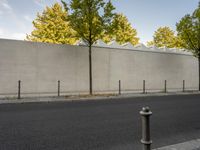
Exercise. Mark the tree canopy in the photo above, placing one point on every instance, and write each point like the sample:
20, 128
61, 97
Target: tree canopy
52, 26
56, 25
121, 31
89, 18
165, 37
188, 29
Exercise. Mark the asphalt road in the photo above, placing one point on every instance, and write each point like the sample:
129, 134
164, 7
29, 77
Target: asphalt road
98, 125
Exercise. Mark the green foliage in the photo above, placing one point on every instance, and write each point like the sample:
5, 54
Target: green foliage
121, 31
89, 18
164, 36
52, 27
189, 30
150, 43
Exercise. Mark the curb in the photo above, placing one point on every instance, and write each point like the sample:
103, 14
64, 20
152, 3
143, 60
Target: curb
189, 145
78, 98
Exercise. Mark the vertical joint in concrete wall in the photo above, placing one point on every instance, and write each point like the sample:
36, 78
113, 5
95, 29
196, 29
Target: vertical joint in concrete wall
19, 89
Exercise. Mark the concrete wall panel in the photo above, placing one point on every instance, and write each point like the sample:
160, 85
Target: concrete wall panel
132, 67
39, 66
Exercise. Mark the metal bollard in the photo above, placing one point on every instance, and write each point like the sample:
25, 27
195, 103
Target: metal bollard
146, 140
144, 90
119, 87
58, 87
165, 86
19, 89
183, 85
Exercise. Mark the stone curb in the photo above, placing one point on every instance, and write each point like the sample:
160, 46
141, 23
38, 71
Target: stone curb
77, 98
190, 145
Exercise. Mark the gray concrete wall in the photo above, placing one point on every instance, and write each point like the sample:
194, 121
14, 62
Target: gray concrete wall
39, 66
134, 66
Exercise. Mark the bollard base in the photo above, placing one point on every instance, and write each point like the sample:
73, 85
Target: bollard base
146, 142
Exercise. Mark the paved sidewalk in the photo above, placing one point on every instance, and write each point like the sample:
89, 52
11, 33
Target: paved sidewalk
190, 145
87, 97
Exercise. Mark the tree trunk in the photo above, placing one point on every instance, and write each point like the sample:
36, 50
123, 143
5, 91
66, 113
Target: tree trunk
90, 68
199, 71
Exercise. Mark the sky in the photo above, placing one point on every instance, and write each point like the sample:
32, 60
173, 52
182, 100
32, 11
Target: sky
146, 16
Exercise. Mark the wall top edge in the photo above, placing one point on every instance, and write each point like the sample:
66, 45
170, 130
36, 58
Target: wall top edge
138, 47
115, 45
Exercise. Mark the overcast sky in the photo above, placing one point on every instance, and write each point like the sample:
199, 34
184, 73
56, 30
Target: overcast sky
146, 16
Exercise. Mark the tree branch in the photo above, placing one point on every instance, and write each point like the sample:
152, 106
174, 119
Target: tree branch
190, 41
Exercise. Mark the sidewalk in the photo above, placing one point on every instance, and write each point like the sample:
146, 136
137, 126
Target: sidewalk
87, 97
190, 145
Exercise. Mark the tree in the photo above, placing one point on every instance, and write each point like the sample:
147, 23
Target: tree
164, 36
52, 27
188, 29
121, 31
150, 43
89, 18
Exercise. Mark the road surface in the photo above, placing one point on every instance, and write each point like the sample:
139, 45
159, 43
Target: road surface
98, 125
